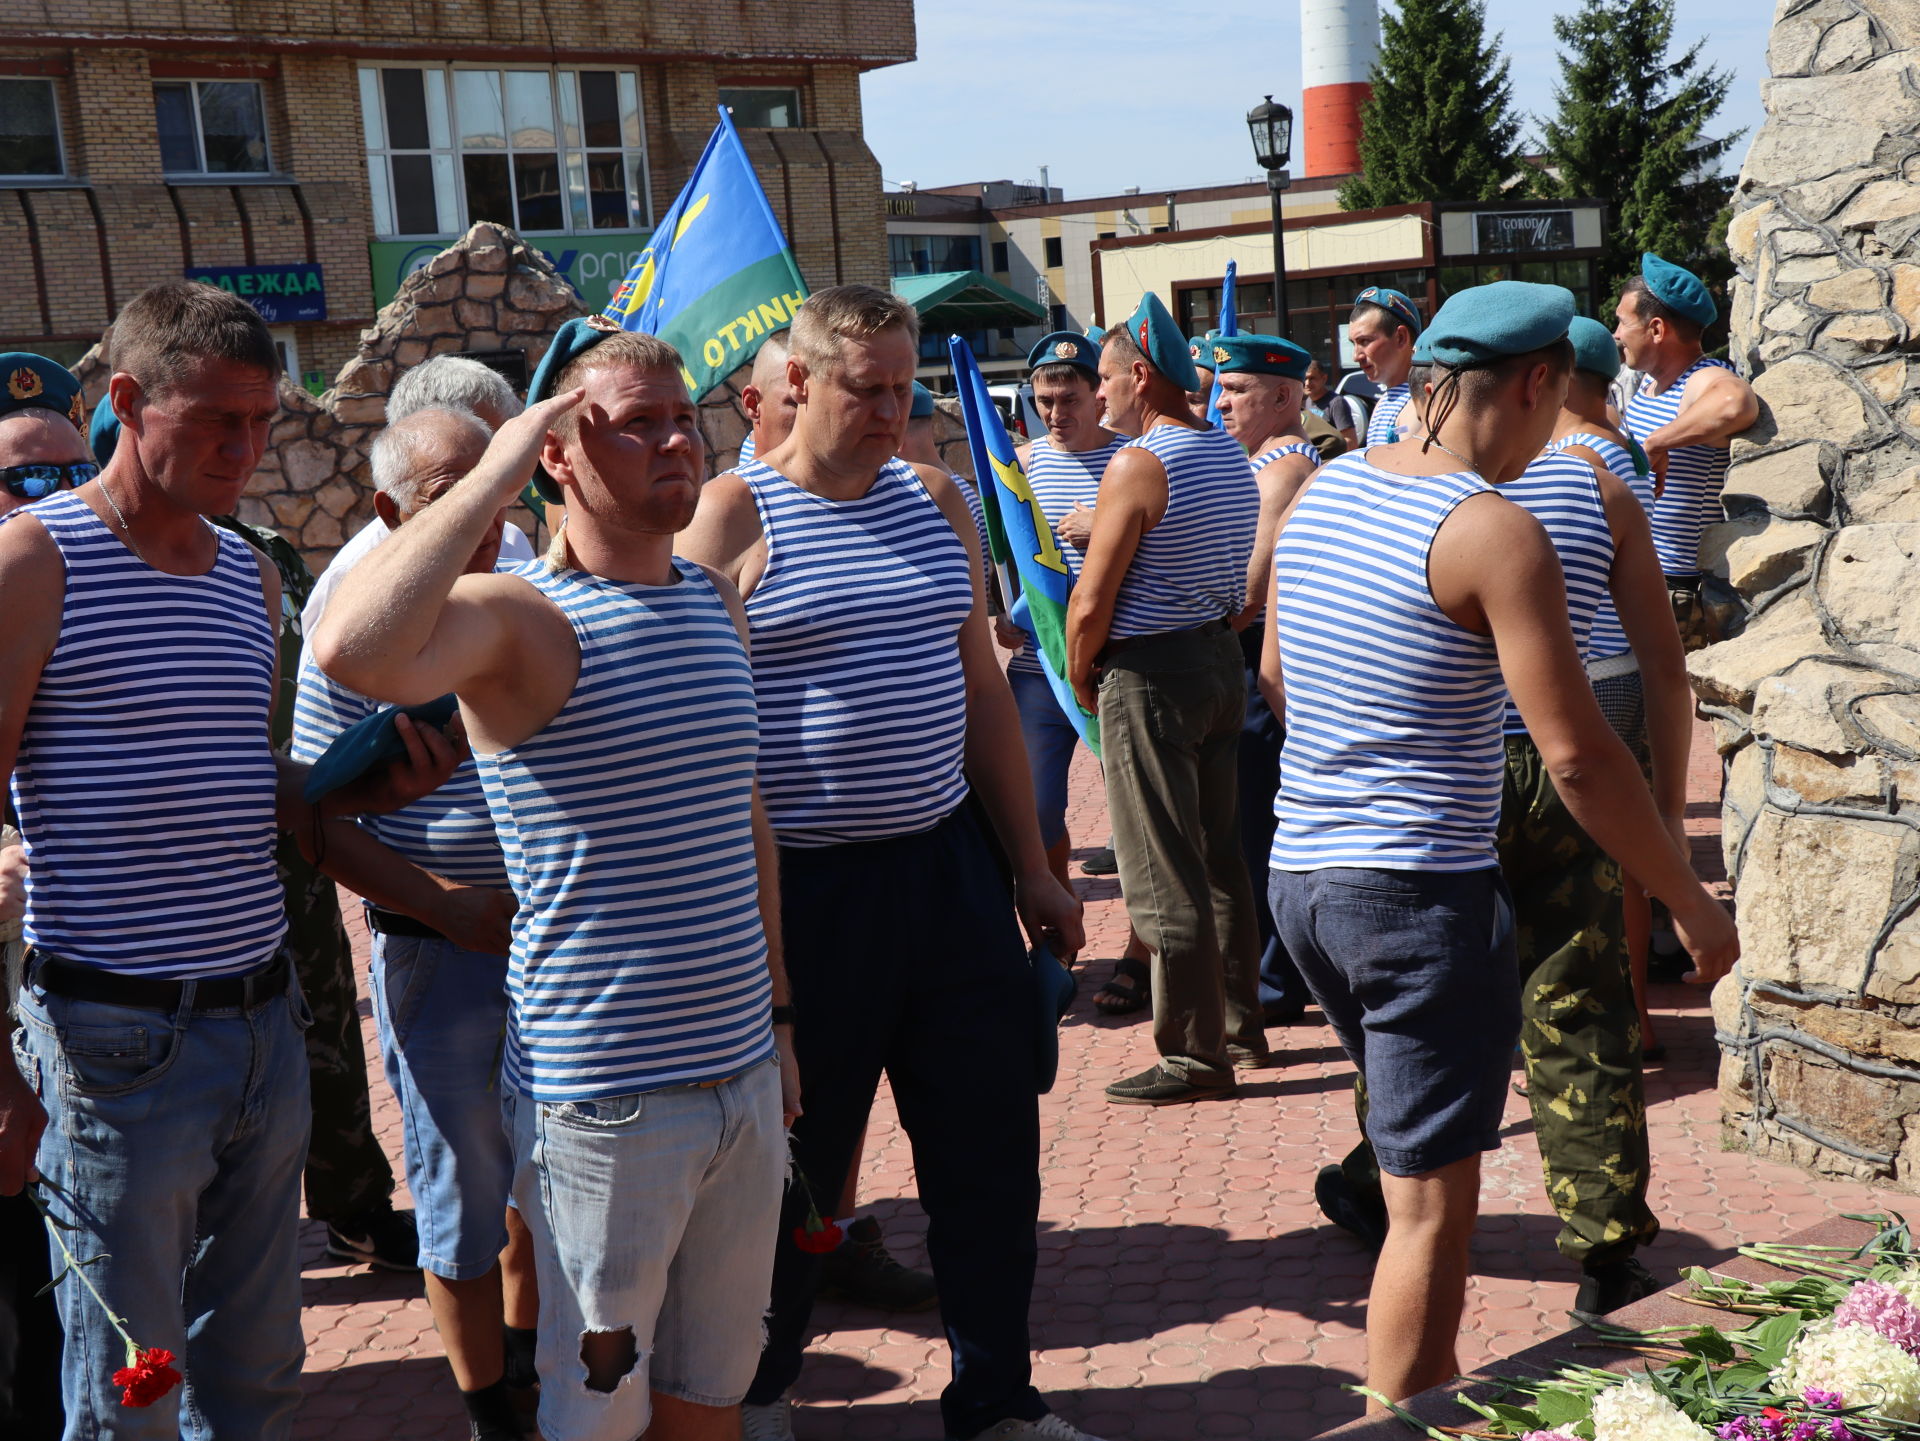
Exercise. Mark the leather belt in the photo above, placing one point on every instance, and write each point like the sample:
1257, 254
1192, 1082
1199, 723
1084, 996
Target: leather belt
1613, 666
151, 993
1140, 642
392, 923
1683, 582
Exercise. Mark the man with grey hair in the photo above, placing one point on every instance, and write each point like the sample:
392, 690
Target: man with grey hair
438, 976
446, 382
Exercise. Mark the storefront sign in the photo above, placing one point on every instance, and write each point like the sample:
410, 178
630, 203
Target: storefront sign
1504, 232
594, 265
283, 294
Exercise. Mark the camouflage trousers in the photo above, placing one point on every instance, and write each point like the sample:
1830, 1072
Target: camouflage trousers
1580, 1030
347, 1170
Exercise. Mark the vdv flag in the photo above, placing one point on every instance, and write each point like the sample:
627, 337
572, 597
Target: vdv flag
1229, 325
717, 276
1018, 530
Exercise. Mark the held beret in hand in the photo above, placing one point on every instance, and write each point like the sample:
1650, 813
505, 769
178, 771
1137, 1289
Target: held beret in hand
369, 743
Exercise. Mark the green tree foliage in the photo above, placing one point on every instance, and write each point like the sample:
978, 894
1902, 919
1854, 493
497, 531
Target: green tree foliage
1630, 130
1440, 125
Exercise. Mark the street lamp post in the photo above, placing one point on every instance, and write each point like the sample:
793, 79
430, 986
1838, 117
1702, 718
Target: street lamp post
1272, 127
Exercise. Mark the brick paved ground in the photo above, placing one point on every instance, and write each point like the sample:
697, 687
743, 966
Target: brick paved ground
1188, 1287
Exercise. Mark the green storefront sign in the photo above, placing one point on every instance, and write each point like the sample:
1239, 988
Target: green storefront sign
593, 264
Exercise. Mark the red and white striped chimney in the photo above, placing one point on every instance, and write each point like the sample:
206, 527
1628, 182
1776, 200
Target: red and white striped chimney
1338, 42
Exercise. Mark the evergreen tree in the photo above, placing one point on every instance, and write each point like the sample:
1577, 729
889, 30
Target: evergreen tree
1440, 125
1629, 130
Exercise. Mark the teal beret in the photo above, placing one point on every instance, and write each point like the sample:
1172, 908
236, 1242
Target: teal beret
1594, 348
1066, 347
1258, 355
32, 382
1423, 348
1152, 329
1679, 289
922, 402
103, 431
1397, 301
570, 342
1096, 334
1490, 322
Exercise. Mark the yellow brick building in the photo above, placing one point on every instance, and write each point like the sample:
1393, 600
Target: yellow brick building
253, 143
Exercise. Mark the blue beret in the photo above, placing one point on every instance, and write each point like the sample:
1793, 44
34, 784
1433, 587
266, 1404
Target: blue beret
1066, 347
103, 431
1490, 322
1423, 349
1679, 289
1397, 301
1258, 355
32, 382
1594, 348
570, 342
1160, 340
922, 402
1096, 333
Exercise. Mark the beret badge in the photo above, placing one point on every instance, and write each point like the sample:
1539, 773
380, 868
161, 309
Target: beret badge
24, 383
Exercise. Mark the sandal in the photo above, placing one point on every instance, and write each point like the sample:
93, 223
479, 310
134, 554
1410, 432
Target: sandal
1115, 999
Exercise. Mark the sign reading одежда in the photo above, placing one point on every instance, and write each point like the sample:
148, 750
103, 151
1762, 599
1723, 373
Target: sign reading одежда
283, 294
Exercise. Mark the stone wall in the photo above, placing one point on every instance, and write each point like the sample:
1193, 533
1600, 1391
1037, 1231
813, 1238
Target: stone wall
1816, 699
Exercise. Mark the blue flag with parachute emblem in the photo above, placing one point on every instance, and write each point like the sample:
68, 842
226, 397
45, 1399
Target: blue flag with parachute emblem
1017, 530
717, 276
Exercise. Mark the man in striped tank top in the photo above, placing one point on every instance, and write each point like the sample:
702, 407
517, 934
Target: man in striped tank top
611, 706
1384, 325
160, 1025
1685, 414
1410, 599
1262, 394
1150, 645
767, 399
891, 746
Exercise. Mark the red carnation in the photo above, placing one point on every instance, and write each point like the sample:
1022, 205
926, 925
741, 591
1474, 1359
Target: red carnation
149, 1378
818, 1237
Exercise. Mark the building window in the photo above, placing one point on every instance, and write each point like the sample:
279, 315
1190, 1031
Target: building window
542, 151
211, 127
762, 107
1058, 319
1001, 258
1054, 253
29, 128
932, 254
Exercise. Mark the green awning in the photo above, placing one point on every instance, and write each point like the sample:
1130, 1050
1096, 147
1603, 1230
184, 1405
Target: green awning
962, 300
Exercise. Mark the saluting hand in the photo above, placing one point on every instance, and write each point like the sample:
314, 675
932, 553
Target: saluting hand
515, 449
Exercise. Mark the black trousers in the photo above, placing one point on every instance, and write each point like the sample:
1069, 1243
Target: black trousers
905, 957
1261, 737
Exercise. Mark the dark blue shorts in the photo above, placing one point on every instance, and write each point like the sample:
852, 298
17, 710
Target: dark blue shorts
1417, 974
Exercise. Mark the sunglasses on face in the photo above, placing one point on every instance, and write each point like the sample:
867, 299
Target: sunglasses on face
36, 482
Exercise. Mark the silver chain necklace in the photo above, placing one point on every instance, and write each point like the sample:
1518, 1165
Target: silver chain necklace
125, 529
1432, 439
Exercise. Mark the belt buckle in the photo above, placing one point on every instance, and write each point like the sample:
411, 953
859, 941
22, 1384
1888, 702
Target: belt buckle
716, 1082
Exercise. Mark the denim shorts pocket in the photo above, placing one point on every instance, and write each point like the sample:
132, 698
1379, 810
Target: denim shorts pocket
604, 1114
113, 1060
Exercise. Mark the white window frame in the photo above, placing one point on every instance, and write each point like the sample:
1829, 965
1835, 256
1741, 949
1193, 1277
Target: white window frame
636, 160
799, 108
59, 134
199, 135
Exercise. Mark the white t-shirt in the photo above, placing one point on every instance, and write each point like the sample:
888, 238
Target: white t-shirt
514, 546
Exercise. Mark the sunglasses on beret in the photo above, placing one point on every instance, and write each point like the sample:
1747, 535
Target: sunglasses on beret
36, 482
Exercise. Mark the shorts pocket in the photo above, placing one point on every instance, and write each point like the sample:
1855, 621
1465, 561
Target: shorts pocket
604, 1114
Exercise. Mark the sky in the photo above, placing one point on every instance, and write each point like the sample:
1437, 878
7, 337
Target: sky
1114, 93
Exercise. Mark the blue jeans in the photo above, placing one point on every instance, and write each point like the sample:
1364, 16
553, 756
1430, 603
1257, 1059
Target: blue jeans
178, 1140
653, 1214
1050, 739
442, 1014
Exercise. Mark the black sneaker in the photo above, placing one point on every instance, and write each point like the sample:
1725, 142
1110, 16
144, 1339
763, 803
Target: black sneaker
1100, 863
382, 1237
1607, 1287
863, 1271
1354, 1212
1157, 1086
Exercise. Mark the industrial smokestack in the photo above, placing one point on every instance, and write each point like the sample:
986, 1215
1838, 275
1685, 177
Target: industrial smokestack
1339, 40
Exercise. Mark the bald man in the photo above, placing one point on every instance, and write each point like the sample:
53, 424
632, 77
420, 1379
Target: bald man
768, 399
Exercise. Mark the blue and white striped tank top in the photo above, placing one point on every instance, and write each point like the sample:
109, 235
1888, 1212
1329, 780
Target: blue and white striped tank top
638, 956
1608, 639
971, 496
1060, 480
1695, 473
1393, 757
449, 832
145, 780
1383, 426
1293, 447
1192, 566
1563, 494
856, 659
